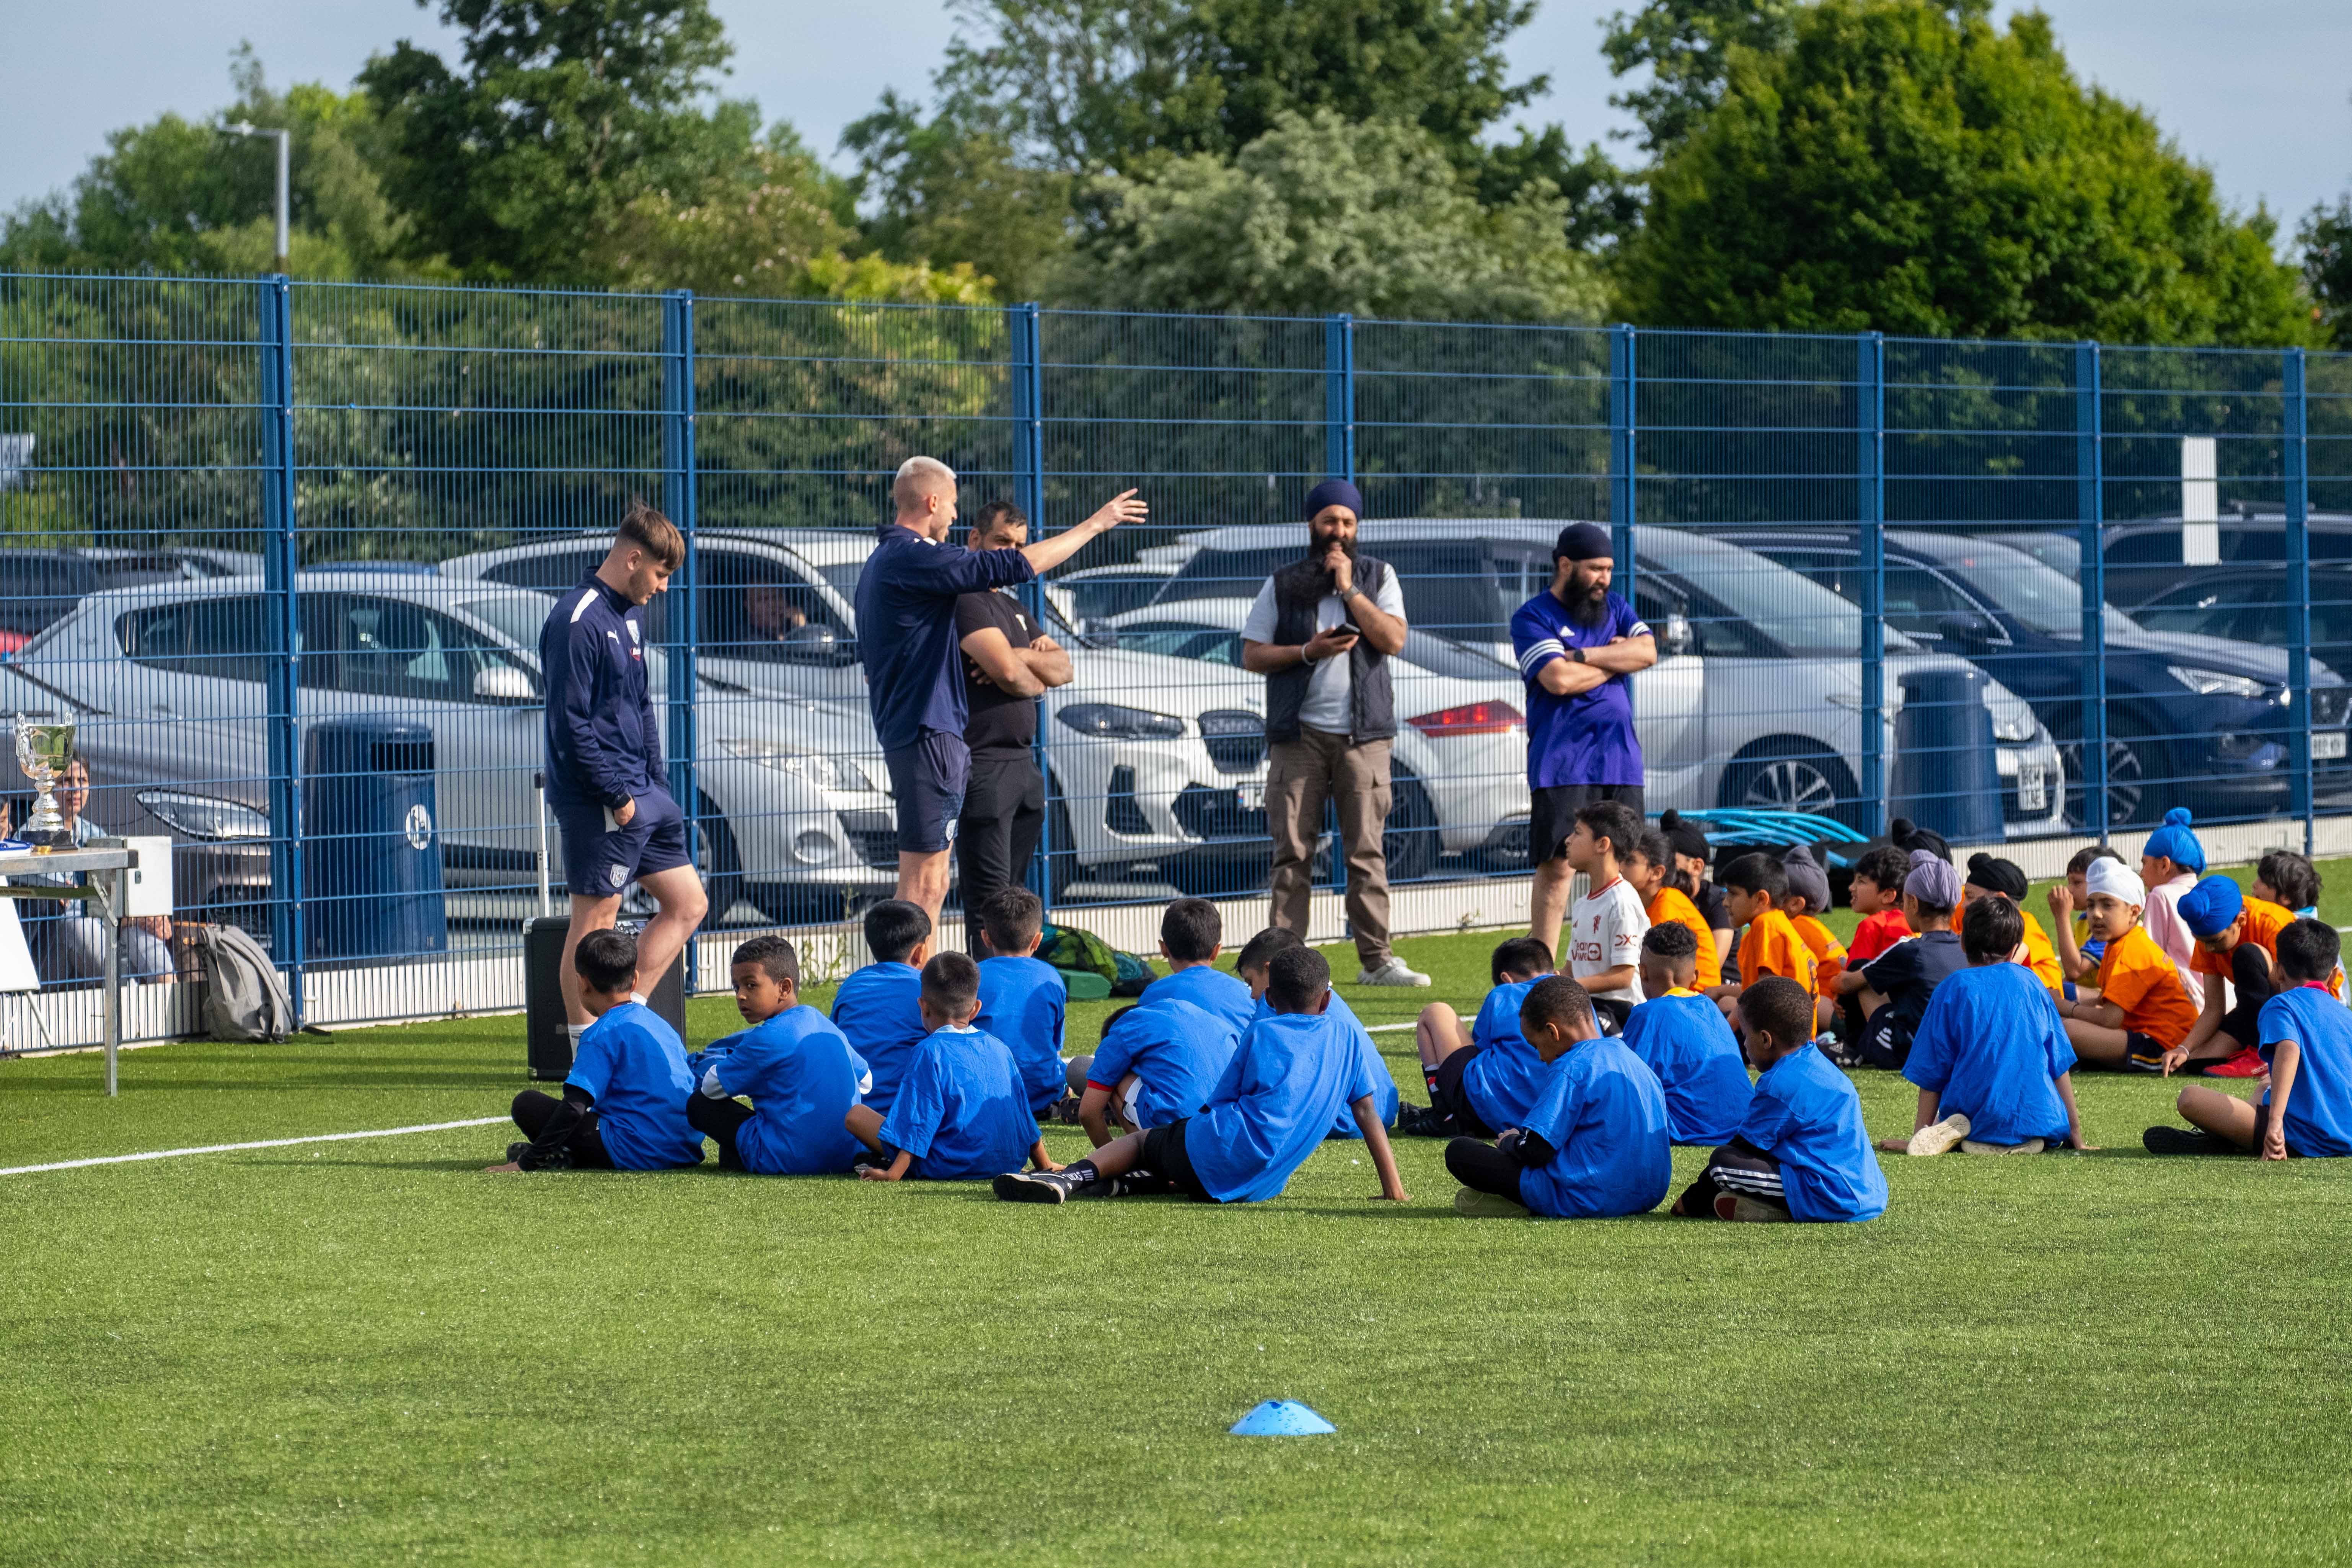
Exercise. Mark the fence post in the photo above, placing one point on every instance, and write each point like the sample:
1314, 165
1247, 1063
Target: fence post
281, 561
679, 494
2090, 513
1029, 491
1340, 398
1870, 553
1624, 369
2297, 413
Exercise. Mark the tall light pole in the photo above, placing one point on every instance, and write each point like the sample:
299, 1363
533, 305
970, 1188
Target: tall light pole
285, 161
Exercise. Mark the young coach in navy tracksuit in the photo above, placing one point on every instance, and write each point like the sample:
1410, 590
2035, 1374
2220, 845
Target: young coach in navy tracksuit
914, 668
605, 780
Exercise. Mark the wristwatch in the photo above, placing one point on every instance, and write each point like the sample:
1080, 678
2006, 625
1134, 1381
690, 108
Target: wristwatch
1578, 654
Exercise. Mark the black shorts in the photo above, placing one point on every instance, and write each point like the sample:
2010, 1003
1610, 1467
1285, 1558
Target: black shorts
602, 857
927, 780
1448, 1098
1551, 813
1164, 1156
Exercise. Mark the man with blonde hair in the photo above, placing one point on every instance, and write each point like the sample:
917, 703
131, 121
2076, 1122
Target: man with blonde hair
606, 778
908, 640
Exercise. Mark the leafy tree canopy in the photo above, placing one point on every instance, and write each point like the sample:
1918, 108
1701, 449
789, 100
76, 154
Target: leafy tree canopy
1903, 166
1686, 46
2326, 239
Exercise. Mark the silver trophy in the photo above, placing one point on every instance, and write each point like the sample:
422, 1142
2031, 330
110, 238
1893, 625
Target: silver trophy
43, 750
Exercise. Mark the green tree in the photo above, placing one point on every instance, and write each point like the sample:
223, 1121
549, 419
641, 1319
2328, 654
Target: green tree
1903, 166
519, 164
953, 190
1320, 215
181, 196
1687, 44
2326, 241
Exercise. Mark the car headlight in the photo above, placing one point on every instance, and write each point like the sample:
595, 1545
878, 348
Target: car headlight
1109, 722
204, 815
2216, 682
2012, 721
825, 773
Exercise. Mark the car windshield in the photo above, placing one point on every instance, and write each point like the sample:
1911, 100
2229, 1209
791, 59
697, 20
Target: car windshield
1794, 611
518, 617
2021, 586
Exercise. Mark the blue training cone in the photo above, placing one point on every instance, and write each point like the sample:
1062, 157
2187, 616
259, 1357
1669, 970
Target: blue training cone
1281, 1418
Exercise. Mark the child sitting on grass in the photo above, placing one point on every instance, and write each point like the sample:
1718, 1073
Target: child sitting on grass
1754, 885
624, 1105
800, 1071
1605, 927
2169, 864
1192, 934
1593, 1146
1666, 899
876, 1008
2142, 1010
961, 1113
1991, 874
1254, 967
1681, 1036
1896, 987
1875, 895
2306, 1039
1688, 841
2078, 951
1991, 1056
2289, 881
1808, 895
1022, 999
1801, 1153
2237, 941
1287, 1080
1485, 1078
1154, 1065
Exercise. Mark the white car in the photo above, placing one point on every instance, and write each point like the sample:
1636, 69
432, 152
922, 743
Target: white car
1459, 764
784, 822
1152, 760
1755, 698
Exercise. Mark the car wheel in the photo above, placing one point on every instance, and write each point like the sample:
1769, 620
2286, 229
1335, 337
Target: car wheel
1789, 773
715, 860
1408, 841
2131, 769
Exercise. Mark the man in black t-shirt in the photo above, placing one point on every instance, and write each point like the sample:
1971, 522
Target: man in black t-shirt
1009, 662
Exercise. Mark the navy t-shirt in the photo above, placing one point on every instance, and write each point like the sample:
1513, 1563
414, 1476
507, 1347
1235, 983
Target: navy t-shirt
1587, 738
2319, 1106
1683, 1037
876, 1007
907, 636
633, 1065
1605, 1114
1907, 973
1021, 1003
1992, 1047
802, 1078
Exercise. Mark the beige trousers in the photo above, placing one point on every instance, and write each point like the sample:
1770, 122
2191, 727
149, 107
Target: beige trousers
1301, 774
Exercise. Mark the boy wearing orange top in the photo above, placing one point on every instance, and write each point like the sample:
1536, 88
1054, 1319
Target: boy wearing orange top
1808, 894
1990, 874
1652, 870
2237, 941
1754, 885
2142, 1010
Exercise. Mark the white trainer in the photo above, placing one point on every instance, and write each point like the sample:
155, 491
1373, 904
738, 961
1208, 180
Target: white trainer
1939, 1138
1392, 973
2031, 1146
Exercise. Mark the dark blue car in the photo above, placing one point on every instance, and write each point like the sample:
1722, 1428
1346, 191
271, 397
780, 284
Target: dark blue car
2192, 719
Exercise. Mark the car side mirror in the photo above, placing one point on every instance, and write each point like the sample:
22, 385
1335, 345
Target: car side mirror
1676, 638
1965, 630
813, 643
503, 683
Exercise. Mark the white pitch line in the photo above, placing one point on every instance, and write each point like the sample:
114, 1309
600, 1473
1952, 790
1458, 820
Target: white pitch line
1369, 1028
266, 1144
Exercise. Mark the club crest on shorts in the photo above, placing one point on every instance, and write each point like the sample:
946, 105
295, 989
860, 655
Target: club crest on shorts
620, 875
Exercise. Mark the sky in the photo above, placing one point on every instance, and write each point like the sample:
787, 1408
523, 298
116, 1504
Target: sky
2257, 90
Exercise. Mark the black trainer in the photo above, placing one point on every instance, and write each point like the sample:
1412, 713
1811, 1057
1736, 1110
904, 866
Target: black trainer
1423, 1121
1033, 1187
2185, 1141
515, 1152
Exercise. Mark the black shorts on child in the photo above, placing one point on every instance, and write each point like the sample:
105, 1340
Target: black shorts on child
1447, 1099
1164, 1156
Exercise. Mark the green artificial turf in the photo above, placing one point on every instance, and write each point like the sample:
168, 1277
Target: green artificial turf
359, 1352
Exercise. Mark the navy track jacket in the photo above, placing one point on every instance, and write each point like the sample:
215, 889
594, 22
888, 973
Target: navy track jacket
604, 742
907, 629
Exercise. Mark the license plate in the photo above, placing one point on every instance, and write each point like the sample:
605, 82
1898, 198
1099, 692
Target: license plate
1253, 795
2032, 789
2327, 746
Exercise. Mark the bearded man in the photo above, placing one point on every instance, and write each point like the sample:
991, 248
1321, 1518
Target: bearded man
1322, 632
1577, 644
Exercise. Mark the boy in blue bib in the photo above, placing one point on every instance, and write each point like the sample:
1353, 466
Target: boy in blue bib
799, 1070
1022, 999
624, 1105
2306, 1041
1485, 1078
1191, 936
1254, 967
1683, 1037
1156, 1065
875, 1007
1990, 1056
961, 1113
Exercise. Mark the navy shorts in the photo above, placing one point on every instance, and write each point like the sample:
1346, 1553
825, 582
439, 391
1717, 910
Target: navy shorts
601, 860
927, 780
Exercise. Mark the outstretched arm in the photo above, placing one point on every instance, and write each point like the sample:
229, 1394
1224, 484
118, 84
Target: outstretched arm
1049, 553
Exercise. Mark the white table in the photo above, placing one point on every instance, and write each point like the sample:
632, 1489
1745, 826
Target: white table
105, 861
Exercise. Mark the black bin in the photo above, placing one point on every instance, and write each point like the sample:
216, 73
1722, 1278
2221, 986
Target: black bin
371, 841
1945, 775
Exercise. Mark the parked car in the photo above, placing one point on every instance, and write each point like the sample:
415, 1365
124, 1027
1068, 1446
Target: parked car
1755, 700
1152, 760
1459, 765
39, 585
170, 679
2146, 556
2192, 719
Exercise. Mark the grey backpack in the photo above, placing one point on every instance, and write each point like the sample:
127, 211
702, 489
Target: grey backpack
244, 999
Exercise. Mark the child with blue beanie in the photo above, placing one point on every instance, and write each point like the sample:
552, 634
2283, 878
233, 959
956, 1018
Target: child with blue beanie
2169, 865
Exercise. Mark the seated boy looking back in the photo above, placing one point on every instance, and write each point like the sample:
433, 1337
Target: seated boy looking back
2143, 1010
1022, 999
1191, 935
875, 1007
1288, 1078
624, 1105
1486, 1077
1754, 885
800, 1071
961, 1113
1681, 1035
2306, 1039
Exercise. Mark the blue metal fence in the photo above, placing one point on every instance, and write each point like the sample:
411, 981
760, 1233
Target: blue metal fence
236, 511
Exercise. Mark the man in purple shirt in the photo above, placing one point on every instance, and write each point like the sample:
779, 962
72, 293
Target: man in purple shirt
1578, 644
907, 639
